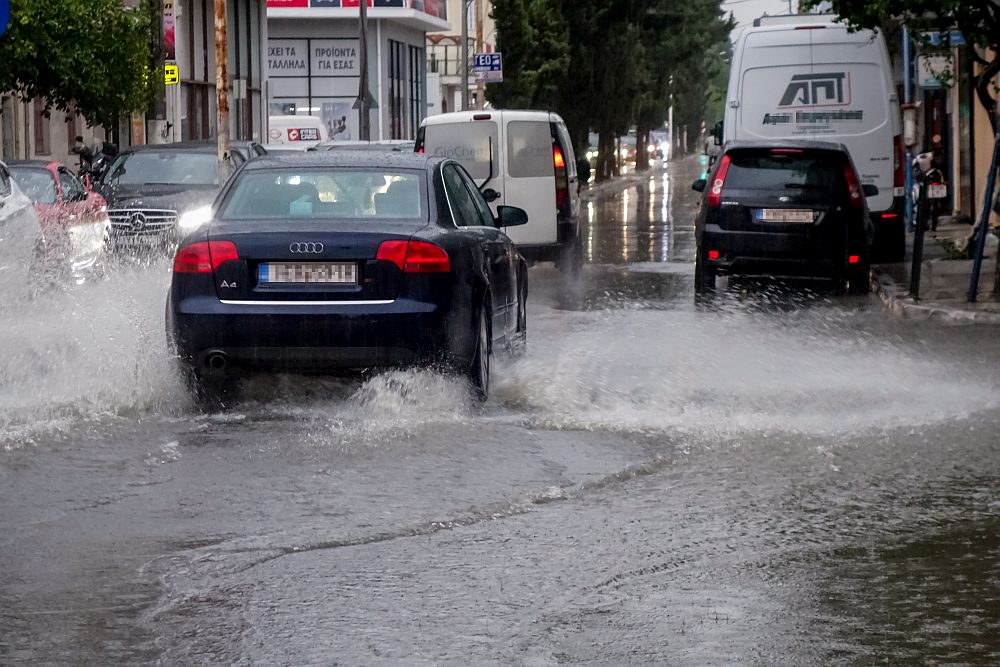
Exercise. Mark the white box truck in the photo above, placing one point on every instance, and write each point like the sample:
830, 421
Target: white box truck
808, 77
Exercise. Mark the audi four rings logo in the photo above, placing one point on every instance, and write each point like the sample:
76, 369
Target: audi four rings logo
306, 248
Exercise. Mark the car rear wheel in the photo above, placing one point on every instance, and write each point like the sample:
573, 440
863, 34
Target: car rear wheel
479, 370
859, 279
704, 278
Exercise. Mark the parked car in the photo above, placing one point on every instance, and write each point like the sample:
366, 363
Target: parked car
74, 220
519, 158
347, 260
157, 193
21, 241
782, 209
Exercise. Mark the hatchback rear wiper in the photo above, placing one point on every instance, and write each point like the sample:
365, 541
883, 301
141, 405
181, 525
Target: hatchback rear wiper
805, 186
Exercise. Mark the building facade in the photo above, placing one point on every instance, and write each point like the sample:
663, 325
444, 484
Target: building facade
445, 53
314, 62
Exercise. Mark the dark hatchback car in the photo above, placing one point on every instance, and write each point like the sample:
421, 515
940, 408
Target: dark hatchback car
349, 260
156, 193
784, 210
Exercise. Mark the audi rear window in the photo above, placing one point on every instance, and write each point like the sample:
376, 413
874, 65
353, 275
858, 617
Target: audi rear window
783, 170
326, 194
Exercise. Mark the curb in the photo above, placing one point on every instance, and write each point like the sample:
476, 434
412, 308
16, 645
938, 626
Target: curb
897, 300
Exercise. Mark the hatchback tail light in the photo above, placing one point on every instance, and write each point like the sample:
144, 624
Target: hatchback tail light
204, 257
562, 181
414, 256
715, 192
854, 191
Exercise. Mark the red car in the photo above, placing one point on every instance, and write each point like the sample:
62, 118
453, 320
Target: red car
74, 220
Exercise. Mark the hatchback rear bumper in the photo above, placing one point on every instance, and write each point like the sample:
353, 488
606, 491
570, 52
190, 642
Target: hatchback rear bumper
775, 254
213, 336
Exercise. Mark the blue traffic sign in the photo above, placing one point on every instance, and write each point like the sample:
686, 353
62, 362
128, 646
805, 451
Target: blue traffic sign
487, 62
4, 15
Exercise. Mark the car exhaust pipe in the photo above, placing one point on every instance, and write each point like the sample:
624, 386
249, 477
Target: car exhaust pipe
216, 361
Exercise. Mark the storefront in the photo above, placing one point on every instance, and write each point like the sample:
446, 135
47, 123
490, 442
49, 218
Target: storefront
314, 62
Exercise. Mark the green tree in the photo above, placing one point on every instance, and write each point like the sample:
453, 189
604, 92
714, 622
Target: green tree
89, 55
534, 40
978, 20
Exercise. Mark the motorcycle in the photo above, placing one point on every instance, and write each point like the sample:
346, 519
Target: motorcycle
94, 161
928, 172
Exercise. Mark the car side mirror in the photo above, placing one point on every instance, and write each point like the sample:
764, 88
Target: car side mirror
490, 195
699, 185
511, 216
870, 190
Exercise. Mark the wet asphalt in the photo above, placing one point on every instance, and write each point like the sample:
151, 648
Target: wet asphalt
789, 477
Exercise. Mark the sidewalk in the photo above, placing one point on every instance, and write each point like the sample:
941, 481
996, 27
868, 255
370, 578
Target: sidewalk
944, 281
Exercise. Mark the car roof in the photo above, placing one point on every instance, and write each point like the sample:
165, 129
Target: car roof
33, 164
192, 146
358, 158
508, 114
782, 143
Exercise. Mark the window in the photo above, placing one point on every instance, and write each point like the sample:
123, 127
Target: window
762, 170
417, 87
36, 183
470, 144
72, 190
73, 129
485, 214
164, 167
529, 149
397, 91
281, 196
463, 207
4, 182
43, 130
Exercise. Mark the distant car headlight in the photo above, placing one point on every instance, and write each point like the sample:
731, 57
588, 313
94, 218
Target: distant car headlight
650, 148
195, 218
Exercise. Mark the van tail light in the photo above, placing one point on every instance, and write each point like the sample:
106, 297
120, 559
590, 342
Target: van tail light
562, 181
204, 256
898, 162
414, 256
853, 187
715, 192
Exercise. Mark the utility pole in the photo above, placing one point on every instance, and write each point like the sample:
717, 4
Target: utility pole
363, 103
222, 87
463, 52
480, 87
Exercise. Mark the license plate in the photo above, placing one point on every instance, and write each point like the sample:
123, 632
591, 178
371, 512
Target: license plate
786, 215
939, 191
307, 273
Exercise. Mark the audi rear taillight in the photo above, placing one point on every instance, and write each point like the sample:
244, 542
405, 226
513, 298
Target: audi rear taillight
715, 192
562, 181
854, 191
204, 256
414, 256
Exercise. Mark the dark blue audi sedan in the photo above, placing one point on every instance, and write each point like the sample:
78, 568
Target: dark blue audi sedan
333, 261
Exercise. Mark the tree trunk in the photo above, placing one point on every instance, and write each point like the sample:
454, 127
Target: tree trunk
641, 149
606, 155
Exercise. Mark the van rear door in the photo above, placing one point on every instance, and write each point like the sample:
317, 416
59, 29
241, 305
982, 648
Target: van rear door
475, 144
826, 84
531, 182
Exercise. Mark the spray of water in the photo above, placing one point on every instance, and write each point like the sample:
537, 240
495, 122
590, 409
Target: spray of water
729, 372
84, 353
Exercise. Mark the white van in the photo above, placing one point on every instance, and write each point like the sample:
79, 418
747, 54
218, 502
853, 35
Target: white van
517, 158
807, 77
299, 131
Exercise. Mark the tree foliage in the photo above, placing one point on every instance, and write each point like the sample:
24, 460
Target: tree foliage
978, 20
89, 55
606, 67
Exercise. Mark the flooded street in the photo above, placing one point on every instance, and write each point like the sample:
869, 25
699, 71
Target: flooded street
788, 478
